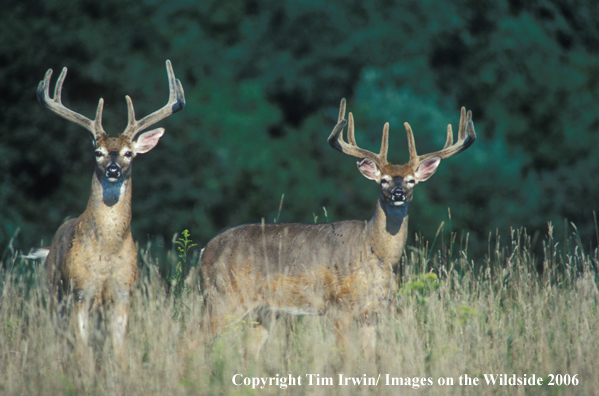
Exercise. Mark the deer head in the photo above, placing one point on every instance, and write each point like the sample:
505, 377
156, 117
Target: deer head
397, 181
114, 155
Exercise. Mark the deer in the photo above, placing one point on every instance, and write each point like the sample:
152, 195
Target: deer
293, 269
93, 257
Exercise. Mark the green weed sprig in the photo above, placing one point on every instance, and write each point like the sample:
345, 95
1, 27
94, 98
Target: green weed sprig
184, 245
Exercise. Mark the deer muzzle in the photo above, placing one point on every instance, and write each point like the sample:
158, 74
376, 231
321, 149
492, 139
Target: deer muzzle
398, 196
113, 172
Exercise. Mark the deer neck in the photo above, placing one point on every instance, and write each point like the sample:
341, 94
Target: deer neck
388, 231
109, 206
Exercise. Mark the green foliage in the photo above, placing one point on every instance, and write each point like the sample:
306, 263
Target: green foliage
421, 287
180, 271
263, 80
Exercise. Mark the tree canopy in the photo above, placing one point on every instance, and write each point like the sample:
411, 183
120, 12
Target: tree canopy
263, 80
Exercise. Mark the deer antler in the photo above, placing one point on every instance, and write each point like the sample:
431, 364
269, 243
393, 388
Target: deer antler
55, 105
176, 102
336, 140
466, 136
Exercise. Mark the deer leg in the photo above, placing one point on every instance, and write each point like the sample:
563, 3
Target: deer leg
81, 316
262, 317
342, 325
264, 333
368, 341
118, 328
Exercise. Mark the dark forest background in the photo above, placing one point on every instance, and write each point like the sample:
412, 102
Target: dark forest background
263, 80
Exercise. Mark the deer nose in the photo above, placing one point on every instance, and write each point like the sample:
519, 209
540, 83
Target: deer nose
113, 171
398, 195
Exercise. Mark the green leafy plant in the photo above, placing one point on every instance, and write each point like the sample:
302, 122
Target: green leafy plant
177, 279
421, 286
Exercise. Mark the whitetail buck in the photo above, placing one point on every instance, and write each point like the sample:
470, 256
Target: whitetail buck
270, 270
93, 256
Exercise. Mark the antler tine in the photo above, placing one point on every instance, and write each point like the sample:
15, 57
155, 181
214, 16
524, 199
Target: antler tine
384, 143
411, 144
449, 140
466, 136
351, 138
341, 111
176, 102
336, 141
465, 117
55, 105
341, 117
350, 124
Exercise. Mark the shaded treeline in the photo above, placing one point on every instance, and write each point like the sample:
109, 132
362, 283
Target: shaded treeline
263, 80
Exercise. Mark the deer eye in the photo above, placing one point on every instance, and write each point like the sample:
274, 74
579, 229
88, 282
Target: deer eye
410, 181
98, 154
128, 154
384, 181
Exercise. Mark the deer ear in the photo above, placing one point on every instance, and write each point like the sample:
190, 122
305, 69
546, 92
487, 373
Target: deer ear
427, 169
147, 141
369, 169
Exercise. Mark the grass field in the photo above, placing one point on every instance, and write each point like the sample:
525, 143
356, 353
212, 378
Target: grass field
454, 318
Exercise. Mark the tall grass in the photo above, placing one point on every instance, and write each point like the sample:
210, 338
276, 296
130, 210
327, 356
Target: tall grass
510, 314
